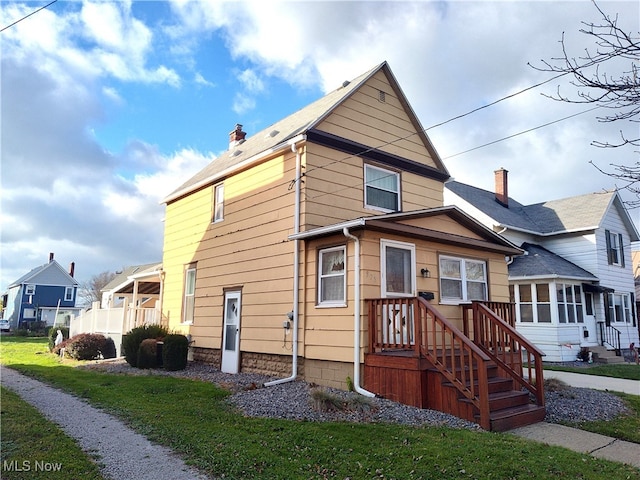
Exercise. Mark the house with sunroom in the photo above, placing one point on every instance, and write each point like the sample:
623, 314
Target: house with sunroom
574, 286
320, 249
45, 295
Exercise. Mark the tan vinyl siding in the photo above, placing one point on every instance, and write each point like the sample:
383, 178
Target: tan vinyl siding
248, 250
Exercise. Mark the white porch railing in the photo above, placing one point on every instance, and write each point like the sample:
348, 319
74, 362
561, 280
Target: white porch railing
114, 322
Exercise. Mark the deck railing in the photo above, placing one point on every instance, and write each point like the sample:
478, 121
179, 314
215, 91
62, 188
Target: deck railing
611, 336
413, 325
504, 345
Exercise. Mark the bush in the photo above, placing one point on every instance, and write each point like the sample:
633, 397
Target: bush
60, 346
148, 353
53, 333
132, 340
174, 352
109, 348
85, 346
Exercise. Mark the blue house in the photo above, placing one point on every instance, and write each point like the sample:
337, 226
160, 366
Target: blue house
46, 293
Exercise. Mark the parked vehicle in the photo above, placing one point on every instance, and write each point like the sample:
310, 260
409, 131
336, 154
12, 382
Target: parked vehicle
5, 325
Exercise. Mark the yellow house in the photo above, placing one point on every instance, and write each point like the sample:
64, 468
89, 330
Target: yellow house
320, 249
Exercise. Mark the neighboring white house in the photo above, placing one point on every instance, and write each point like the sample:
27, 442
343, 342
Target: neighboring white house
133, 298
574, 287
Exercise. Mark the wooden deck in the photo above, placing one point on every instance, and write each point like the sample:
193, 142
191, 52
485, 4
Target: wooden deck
422, 360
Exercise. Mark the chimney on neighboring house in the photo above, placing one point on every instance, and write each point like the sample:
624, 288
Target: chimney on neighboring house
50, 257
72, 269
502, 190
236, 136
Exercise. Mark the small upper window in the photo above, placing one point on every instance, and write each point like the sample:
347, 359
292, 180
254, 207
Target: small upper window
397, 267
189, 303
382, 189
30, 290
332, 280
218, 203
615, 254
68, 294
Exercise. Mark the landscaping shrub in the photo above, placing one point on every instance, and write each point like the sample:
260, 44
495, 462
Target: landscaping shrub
53, 333
109, 348
85, 346
148, 353
132, 340
174, 352
60, 346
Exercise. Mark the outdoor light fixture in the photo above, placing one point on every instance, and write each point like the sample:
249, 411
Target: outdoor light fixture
425, 273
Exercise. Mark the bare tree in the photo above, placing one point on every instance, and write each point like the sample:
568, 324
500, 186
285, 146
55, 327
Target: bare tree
618, 93
90, 291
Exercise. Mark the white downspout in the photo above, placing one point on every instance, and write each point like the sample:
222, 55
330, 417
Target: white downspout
356, 316
296, 275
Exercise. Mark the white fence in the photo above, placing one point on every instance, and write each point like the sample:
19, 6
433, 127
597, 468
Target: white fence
114, 322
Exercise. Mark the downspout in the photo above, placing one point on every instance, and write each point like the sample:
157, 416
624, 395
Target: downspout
296, 275
356, 316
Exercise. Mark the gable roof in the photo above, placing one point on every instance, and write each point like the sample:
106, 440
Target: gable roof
123, 281
51, 273
540, 262
572, 214
391, 222
293, 128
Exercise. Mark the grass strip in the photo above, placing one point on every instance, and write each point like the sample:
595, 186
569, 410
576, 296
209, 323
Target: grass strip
34, 448
192, 418
626, 371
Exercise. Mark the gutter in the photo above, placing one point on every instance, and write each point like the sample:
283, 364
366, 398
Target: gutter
356, 317
296, 274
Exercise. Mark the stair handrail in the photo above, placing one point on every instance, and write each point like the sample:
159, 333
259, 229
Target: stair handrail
504, 345
610, 335
433, 337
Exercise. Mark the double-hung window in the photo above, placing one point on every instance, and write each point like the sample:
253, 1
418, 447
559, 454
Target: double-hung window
381, 189
569, 299
189, 301
533, 303
462, 279
398, 268
615, 253
332, 278
620, 308
218, 203
68, 294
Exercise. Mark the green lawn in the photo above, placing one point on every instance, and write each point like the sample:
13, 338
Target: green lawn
192, 418
628, 371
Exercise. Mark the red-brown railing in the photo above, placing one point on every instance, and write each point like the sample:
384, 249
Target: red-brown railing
504, 345
414, 326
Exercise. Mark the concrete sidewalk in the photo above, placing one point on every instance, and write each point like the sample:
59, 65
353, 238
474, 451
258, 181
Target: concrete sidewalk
594, 444
595, 382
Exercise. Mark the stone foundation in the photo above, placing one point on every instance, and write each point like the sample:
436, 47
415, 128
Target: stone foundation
321, 372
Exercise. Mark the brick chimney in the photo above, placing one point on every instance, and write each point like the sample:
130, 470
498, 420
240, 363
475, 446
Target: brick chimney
236, 136
50, 257
72, 269
502, 190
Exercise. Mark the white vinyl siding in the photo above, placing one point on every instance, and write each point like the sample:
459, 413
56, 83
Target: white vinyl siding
332, 279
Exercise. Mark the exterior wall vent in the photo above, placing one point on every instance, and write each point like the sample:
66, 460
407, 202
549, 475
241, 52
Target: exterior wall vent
382, 97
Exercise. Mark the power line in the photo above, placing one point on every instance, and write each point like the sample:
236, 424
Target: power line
27, 16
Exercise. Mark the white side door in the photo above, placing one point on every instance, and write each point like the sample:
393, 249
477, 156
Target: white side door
231, 333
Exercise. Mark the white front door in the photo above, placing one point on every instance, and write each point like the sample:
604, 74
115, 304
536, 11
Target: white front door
589, 321
231, 333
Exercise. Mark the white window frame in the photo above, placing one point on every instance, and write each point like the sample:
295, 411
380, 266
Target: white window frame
342, 302
68, 294
383, 268
369, 205
30, 289
463, 279
189, 300
576, 305
625, 308
218, 203
535, 303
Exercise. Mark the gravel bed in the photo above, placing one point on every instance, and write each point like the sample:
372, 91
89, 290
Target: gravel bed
294, 400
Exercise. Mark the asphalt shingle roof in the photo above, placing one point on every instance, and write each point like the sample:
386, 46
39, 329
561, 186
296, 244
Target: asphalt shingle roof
539, 261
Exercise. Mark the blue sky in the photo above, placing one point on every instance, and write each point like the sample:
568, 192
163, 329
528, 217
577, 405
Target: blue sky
109, 106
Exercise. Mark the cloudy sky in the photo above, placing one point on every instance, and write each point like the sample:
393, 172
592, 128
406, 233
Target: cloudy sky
108, 106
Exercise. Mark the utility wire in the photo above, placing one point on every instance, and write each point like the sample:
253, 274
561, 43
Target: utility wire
27, 16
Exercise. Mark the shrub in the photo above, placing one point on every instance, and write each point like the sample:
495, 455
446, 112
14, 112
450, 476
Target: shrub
109, 348
148, 353
53, 333
85, 346
21, 332
174, 352
132, 340
60, 346
324, 401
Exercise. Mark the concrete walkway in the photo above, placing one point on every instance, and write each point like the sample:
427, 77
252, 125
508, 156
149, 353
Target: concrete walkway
599, 446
